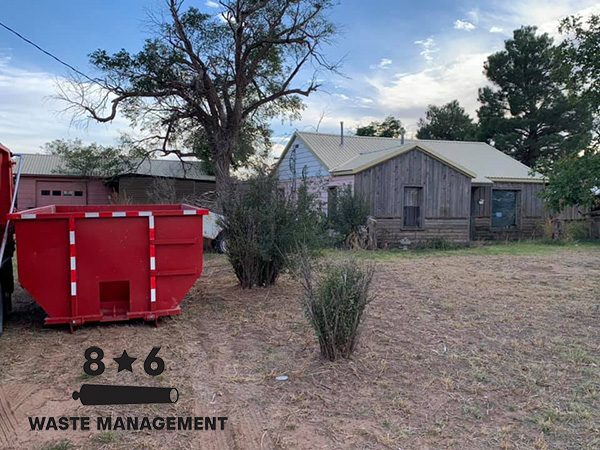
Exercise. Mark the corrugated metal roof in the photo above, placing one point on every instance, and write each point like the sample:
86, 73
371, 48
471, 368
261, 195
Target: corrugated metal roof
173, 169
483, 160
43, 164
328, 149
366, 160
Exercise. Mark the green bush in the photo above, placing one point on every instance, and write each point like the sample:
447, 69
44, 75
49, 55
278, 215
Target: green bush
263, 226
334, 302
347, 212
575, 230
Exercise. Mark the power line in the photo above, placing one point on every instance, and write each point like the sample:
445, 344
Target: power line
48, 53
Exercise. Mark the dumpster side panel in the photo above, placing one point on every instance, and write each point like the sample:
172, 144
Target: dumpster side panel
178, 257
108, 263
43, 261
112, 266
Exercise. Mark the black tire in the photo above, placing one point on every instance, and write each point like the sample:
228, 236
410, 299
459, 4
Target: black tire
220, 244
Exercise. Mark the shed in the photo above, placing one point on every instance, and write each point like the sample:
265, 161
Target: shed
188, 179
45, 182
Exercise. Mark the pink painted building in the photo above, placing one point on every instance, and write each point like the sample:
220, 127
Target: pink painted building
42, 183
45, 182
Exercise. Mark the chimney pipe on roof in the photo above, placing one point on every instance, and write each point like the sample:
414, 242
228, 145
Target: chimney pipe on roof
402, 133
341, 133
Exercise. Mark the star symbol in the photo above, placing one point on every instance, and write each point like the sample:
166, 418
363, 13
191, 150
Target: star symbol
125, 361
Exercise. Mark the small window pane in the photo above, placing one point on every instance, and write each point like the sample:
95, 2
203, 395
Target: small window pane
68, 193
504, 209
45, 192
412, 207
78, 193
56, 193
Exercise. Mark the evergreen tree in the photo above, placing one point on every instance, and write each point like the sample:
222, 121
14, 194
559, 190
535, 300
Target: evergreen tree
448, 122
528, 113
390, 127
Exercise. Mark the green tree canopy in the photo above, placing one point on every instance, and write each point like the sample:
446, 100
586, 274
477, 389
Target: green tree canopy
91, 160
528, 112
574, 180
389, 127
448, 122
581, 58
209, 84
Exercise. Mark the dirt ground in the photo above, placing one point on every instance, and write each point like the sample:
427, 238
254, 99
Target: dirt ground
465, 351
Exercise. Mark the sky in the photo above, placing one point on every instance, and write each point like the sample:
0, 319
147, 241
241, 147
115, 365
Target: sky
398, 57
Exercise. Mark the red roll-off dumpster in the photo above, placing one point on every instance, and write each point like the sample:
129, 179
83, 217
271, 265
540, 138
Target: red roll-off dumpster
108, 263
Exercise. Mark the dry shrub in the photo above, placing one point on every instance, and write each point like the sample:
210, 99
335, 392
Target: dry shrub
549, 229
335, 297
120, 198
575, 230
567, 230
162, 191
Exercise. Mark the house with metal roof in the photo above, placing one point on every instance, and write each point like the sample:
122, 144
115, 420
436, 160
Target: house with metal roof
46, 181
420, 190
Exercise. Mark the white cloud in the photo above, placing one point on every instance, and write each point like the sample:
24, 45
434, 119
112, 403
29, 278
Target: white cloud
343, 97
463, 25
30, 116
383, 64
409, 94
454, 68
366, 102
545, 14
212, 4
429, 48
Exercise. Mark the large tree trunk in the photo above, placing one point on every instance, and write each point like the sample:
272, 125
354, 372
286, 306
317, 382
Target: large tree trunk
222, 157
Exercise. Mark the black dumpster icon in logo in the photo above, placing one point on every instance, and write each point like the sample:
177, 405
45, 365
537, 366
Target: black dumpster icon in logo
98, 394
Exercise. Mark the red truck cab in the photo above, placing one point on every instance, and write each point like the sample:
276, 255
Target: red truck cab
6, 196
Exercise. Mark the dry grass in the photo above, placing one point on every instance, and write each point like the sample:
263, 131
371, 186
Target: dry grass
466, 351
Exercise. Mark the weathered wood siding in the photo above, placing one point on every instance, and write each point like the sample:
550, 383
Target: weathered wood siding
530, 212
137, 187
574, 213
446, 199
389, 232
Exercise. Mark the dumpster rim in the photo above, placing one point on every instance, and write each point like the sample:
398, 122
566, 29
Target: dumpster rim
115, 211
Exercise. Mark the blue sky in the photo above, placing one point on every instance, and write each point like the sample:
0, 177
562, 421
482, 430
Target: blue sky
400, 56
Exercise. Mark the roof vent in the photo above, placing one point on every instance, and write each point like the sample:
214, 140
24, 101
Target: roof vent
341, 133
402, 133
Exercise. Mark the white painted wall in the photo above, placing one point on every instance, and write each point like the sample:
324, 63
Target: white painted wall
304, 157
318, 176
